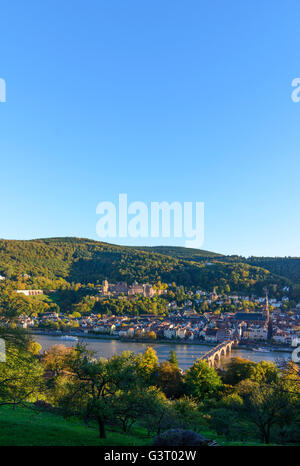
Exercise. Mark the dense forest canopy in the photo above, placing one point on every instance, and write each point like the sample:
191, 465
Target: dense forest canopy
51, 262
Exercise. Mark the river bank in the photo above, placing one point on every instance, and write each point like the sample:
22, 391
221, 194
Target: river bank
159, 341
186, 353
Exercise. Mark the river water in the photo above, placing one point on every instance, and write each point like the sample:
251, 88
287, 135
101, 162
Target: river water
186, 354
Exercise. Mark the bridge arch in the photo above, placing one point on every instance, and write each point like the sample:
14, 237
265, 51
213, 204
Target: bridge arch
217, 361
213, 357
223, 351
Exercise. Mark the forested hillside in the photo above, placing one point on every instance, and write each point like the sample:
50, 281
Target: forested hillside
182, 253
288, 267
51, 262
285, 267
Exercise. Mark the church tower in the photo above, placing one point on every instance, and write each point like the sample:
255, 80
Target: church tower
105, 287
266, 313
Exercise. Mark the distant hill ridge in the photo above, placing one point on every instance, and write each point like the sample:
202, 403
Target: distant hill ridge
82, 260
180, 252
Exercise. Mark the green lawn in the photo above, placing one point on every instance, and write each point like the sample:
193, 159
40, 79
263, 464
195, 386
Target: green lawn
22, 426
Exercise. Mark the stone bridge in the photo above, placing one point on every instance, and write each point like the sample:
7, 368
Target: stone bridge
213, 356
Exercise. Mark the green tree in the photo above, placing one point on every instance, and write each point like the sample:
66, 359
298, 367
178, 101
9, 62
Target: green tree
148, 364
173, 358
34, 347
265, 372
238, 369
187, 414
202, 381
21, 377
136, 404
157, 412
264, 405
93, 384
58, 358
170, 380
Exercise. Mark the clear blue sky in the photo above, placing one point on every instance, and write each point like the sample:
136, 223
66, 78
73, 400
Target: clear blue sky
163, 100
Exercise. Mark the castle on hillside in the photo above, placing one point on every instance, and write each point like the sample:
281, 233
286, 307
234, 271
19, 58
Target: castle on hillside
122, 288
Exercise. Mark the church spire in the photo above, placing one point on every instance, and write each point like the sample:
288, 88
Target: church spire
266, 306
267, 315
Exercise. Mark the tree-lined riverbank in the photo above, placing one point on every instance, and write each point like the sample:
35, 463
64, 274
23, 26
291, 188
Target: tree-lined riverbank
186, 353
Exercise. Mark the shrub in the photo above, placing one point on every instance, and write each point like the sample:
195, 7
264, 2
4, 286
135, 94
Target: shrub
180, 437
